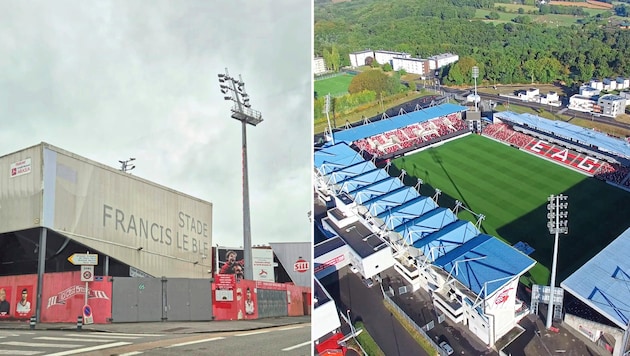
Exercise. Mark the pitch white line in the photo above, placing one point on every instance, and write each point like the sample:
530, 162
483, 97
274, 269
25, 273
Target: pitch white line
194, 342
253, 333
291, 328
88, 349
296, 346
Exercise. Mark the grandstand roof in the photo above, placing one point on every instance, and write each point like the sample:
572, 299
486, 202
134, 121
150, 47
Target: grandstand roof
396, 122
335, 157
377, 189
603, 283
410, 210
564, 129
415, 230
350, 171
485, 261
394, 198
448, 238
350, 184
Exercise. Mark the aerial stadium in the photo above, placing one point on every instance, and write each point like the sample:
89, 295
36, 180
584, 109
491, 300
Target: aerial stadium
458, 207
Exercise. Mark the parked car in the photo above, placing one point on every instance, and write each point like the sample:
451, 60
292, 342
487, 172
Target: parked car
368, 282
353, 268
446, 347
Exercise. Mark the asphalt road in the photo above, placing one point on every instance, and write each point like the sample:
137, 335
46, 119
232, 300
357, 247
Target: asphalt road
290, 340
366, 304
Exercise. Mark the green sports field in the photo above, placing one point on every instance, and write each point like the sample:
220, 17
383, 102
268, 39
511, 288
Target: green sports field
336, 86
511, 187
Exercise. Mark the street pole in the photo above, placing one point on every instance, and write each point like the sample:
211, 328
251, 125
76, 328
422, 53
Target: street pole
556, 226
242, 112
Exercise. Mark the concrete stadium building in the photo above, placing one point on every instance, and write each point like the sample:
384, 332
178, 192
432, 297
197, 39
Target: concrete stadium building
54, 203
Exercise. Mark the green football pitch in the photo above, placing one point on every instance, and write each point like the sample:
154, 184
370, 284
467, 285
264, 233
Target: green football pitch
510, 187
336, 86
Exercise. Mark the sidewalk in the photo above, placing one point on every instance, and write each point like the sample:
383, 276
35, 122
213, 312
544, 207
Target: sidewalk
170, 327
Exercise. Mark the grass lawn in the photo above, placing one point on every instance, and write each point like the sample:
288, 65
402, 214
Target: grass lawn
336, 86
367, 342
511, 187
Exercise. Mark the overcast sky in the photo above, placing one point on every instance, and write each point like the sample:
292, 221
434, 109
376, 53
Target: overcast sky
110, 80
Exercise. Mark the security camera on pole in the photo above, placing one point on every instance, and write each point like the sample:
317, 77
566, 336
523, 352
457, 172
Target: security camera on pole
558, 224
242, 111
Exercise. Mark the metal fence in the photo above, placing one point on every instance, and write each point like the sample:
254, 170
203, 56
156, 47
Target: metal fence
414, 325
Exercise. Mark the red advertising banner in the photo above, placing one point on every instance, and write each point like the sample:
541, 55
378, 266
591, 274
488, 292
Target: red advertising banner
243, 303
63, 298
17, 300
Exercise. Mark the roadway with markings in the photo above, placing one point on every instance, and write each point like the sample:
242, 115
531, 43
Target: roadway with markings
291, 340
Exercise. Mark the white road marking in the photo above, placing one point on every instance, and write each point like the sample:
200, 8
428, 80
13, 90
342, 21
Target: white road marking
131, 353
33, 344
254, 333
88, 349
126, 334
52, 338
291, 327
296, 346
194, 342
101, 336
20, 352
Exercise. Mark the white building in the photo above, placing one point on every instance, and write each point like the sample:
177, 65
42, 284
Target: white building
623, 83
319, 66
411, 65
612, 105
597, 84
383, 57
358, 59
609, 84
441, 60
587, 90
582, 103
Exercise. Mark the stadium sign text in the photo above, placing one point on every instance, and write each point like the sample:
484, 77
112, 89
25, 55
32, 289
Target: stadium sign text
564, 155
188, 236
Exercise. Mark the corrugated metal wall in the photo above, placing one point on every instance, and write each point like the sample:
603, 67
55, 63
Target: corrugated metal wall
153, 299
272, 303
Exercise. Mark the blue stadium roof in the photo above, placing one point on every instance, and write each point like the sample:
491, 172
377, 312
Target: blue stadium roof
408, 211
350, 171
377, 189
335, 157
603, 283
353, 183
418, 228
396, 122
392, 199
446, 239
566, 130
485, 260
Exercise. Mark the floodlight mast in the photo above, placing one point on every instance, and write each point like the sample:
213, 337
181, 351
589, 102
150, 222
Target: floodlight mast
558, 223
241, 111
475, 74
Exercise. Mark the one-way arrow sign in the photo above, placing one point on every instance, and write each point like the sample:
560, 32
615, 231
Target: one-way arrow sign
81, 259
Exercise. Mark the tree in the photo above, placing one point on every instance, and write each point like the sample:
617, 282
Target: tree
387, 67
374, 80
335, 59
